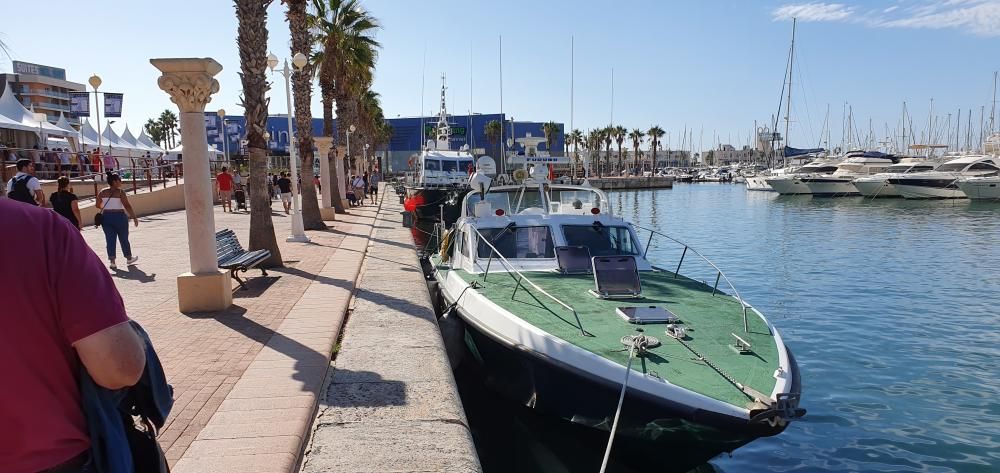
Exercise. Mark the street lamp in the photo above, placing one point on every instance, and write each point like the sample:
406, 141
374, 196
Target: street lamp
299, 61
364, 159
225, 138
350, 130
95, 82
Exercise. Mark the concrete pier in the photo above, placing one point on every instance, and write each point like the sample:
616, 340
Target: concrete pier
622, 183
390, 402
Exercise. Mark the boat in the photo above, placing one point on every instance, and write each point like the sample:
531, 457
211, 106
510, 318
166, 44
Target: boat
435, 188
791, 184
561, 302
983, 187
840, 181
878, 184
942, 182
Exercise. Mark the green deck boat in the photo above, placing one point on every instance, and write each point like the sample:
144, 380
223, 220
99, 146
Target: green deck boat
557, 299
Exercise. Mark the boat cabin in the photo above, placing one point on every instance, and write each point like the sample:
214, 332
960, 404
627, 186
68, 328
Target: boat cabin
437, 167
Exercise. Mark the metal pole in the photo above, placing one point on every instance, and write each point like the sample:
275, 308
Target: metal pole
100, 152
298, 229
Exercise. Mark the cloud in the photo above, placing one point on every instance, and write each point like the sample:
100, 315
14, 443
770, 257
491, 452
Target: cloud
979, 17
813, 12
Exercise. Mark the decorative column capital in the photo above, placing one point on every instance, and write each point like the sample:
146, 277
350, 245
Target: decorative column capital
189, 81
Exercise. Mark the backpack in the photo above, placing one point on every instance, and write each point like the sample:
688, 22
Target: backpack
19, 190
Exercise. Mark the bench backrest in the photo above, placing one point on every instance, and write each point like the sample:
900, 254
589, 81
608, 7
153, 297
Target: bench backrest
227, 245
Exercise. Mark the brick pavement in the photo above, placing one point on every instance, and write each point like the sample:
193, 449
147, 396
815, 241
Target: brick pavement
206, 355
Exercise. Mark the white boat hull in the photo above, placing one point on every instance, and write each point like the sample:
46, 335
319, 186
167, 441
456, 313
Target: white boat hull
981, 189
788, 185
831, 187
758, 183
876, 188
926, 192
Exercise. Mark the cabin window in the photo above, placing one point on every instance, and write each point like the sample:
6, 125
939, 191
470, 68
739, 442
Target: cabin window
449, 166
465, 165
602, 240
517, 242
432, 165
462, 245
982, 167
952, 167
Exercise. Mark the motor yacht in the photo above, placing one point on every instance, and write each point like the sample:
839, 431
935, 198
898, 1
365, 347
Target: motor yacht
942, 182
840, 181
791, 184
878, 184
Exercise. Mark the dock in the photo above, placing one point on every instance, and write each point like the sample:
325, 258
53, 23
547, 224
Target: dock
633, 182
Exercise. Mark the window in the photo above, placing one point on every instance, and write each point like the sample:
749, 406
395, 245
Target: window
462, 245
952, 167
517, 242
432, 165
448, 165
602, 240
465, 163
982, 167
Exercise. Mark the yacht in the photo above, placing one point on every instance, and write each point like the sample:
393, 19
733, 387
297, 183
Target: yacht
980, 188
878, 185
434, 190
839, 182
942, 182
791, 184
559, 296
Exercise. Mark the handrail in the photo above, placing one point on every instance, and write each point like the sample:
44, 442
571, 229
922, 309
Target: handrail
522, 277
719, 273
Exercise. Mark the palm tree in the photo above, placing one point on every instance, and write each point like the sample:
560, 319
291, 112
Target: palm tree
346, 53
551, 131
168, 120
595, 141
252, 41
655, 133
298, 25
636, 136
155, 131
619, 133
493, 130
608, 135
574, 138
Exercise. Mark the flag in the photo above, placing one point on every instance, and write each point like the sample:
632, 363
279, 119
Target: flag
79, 104
112, 105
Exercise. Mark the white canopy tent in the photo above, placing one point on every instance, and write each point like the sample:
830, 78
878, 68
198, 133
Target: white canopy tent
88, 135
178, 150
135, 149
14, 111
144, 140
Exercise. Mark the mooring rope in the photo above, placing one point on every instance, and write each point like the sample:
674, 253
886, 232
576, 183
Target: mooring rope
637, 344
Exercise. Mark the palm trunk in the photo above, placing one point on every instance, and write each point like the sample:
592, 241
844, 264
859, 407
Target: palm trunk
302, 86
327, 94
252, 42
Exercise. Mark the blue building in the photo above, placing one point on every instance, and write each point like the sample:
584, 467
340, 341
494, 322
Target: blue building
406, 138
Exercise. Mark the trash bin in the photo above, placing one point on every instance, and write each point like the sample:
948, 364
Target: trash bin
407, 219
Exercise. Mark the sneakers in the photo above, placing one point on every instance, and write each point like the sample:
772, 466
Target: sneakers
132, 260
112, 265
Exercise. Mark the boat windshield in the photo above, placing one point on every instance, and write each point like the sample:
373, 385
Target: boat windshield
432, 165
448, 165
518, 242
601, 240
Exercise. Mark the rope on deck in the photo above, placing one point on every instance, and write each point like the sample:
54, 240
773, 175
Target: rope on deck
637, 345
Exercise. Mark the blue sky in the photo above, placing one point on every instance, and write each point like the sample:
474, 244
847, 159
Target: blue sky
712, 66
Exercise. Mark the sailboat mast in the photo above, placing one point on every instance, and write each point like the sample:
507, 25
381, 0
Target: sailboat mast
993, 111
788, 101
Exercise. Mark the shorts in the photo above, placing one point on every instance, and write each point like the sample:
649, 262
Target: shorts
226, 196
286, 197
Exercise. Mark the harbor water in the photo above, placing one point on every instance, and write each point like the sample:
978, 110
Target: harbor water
892, 308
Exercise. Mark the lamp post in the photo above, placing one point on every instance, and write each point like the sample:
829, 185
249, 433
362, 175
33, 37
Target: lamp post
364, 159
299, 61
225, 138
95, 82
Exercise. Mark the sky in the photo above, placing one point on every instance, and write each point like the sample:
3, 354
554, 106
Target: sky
716, 68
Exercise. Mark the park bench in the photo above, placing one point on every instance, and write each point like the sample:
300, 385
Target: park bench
234, 258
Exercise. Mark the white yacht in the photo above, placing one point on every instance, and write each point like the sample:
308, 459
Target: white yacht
839, 182
942, 182
791, 184
878, 184
981, 188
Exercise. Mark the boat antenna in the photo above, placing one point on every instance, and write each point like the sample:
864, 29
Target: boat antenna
503, 152
442, 132
423, 78
788, 102
469, 132
572, 59
993, 111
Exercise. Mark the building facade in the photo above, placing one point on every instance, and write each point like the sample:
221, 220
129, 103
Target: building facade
42, 88
408, 135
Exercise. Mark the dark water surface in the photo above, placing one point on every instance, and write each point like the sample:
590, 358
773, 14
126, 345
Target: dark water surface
892, 308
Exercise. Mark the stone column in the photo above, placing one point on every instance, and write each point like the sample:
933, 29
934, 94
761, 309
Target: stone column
190, 83
323, 146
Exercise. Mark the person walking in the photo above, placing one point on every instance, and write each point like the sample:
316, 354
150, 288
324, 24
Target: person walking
373, 181
64, 202
358, 186
62, 315
110, 165
115, 212
65, 166
24, 186
224, 186
84, 163
285, 190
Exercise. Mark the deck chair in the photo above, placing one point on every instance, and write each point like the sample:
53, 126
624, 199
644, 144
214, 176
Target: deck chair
574, 259
616, 277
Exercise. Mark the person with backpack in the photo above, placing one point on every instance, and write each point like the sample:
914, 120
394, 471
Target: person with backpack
62, 316
24, 186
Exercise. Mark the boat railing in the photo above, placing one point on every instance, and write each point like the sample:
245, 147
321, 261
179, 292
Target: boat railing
520, 279
719, 275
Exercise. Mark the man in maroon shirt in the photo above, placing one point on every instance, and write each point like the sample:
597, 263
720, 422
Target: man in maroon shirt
60, 309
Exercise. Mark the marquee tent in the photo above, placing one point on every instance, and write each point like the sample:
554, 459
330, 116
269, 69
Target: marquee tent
14, 111
144, 140
179, 150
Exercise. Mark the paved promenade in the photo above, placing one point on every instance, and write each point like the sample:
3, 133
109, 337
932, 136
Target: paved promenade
391, 404
222, 374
